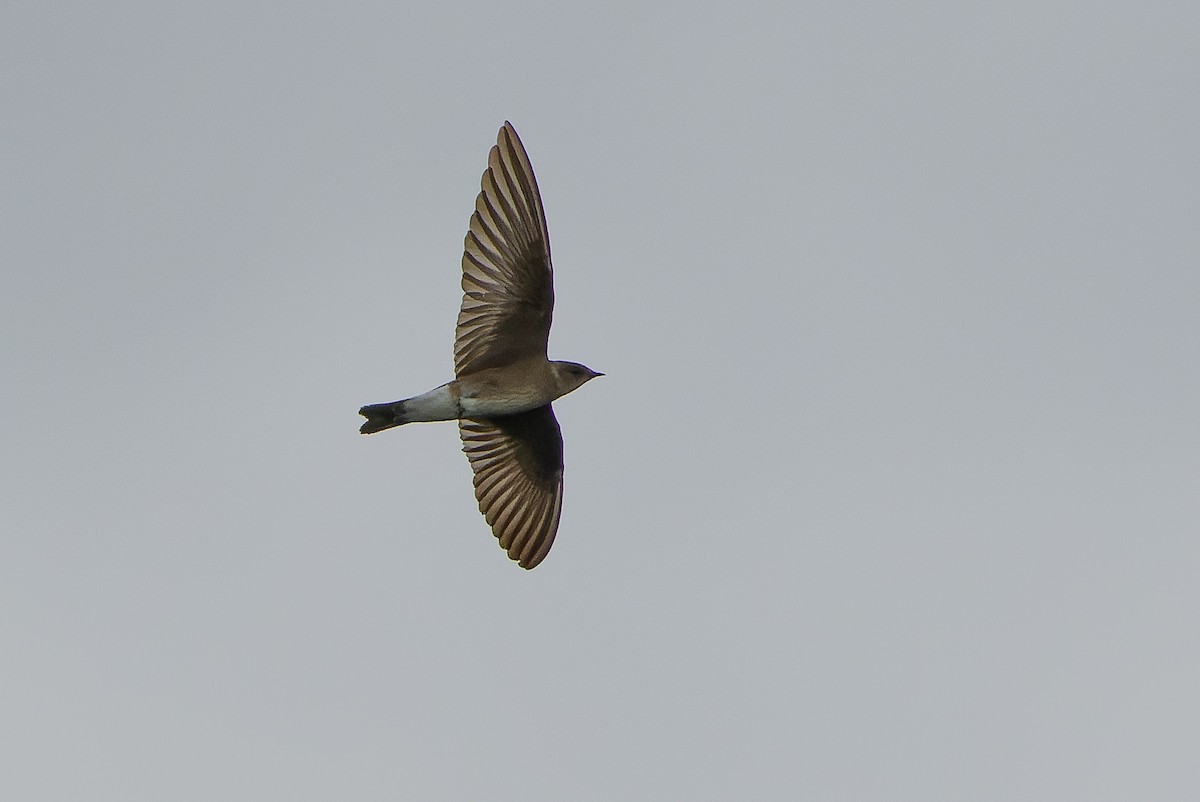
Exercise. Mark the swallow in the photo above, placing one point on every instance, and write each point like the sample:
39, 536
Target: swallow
504, 382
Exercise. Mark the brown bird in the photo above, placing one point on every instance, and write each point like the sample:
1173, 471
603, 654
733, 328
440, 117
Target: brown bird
504, 382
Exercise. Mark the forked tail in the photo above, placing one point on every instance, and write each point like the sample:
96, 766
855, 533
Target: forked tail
382, 416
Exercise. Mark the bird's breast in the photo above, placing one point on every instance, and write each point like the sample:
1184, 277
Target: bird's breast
494, 407
502, 391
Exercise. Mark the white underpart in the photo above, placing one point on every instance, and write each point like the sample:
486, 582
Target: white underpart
440, 403
447, 403
496, 405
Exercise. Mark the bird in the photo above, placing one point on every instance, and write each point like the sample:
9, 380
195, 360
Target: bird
504, 382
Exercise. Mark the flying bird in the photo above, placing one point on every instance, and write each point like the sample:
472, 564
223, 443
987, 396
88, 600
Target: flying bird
503, 381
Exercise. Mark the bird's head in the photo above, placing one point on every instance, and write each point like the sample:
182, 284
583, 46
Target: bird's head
571, 375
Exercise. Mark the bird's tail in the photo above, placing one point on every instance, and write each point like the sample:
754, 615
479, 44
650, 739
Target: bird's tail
382, 416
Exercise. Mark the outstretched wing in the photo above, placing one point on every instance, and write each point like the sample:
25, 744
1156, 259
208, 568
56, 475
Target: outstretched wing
508, 285
518, 468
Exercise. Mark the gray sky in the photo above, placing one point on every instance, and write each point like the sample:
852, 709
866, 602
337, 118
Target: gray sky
890, 492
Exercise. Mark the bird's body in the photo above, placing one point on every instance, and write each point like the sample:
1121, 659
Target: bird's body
504, 383
489, 393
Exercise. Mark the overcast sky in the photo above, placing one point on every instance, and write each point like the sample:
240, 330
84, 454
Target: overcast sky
891, 491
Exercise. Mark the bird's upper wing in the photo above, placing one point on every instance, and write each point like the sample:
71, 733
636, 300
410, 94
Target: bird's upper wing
508, 287
518, 468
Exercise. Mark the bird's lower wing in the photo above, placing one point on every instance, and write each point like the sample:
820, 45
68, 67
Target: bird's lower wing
518, 468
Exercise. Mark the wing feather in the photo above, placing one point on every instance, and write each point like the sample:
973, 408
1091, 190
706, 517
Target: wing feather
517, 461
507, 278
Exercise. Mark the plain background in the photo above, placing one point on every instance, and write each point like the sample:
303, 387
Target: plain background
890, 492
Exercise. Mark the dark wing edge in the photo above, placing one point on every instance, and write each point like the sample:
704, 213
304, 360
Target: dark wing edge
517, 461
